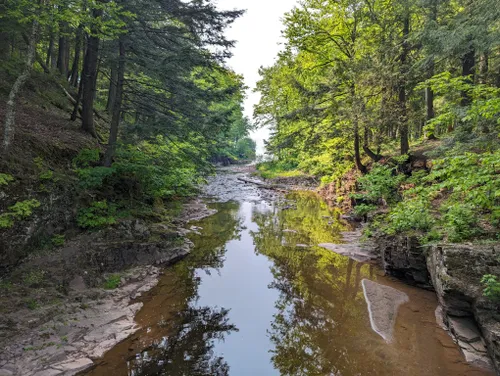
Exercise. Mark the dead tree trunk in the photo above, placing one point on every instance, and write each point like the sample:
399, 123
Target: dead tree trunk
10, 113
117, 108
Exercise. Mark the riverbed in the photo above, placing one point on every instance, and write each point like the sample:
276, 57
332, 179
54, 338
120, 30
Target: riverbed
258, 296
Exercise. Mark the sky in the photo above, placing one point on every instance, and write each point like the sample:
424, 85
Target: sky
258, 36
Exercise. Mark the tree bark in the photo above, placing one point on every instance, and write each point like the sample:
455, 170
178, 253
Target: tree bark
4, 45
61, 56
10, 113
117, 107
468, 70
405, 145
483, 67
89, 79
50, 50
112, 88
76, 62
357, 154
78, 99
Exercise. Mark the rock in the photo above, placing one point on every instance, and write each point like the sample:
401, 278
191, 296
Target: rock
353, 247
383, 305
403, 258
77, 284
354, 251
73, 366
464, 329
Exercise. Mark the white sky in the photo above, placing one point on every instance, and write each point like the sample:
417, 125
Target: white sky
258, 36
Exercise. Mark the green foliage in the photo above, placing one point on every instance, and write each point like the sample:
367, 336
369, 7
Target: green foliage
98, 214
34, 278
364, 209
277, 169
5, 179
491, 286
458, 200
32, 304
112, 282
58, 240
410, 215
382, 183
46, 175
460, 222
94, 177
20, 210
86, 158
24, 209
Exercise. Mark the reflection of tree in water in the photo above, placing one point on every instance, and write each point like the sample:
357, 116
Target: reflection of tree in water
189, 349
178, 338
321, 309
209, 251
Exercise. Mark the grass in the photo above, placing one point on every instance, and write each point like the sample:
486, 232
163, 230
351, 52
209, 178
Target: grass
112, 282
273, 169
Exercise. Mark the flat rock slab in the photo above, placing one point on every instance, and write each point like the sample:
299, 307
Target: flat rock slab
469, 339
383, 306
354, 251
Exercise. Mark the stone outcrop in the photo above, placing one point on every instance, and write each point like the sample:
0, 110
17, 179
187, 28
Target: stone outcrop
474, 320
90, 323
85, 320
403, 258
454, 271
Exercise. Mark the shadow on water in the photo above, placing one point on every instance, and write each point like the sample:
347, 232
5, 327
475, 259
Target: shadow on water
258, 297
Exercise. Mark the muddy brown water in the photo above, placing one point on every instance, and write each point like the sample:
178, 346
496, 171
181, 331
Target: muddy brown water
258, 297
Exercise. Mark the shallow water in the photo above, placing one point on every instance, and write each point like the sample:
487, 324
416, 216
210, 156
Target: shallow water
258, 297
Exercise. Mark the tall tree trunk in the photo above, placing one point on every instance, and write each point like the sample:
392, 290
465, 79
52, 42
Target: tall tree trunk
78, 99
483, 67
112, 88
403, 116
89, 79
468, 70
10, 113
61, 58
357, 154
76, 62
4, 46
50, 50
117, 109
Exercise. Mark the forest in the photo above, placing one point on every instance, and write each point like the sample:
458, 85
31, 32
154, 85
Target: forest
395, 105
145, 85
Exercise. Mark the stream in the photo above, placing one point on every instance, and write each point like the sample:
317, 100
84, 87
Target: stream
259, 297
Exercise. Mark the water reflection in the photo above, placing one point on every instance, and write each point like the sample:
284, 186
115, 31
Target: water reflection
188, 350
258, 297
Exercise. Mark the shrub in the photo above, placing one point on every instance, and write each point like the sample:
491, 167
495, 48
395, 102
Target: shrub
99, 214
112, 282
34, 278
86, 158
5, 179
20, 210
94, 177
364, 209
460, 222
410, 215
58, 240
381, 183
491, 287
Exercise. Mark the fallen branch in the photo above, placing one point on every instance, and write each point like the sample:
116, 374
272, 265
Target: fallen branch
274, 187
